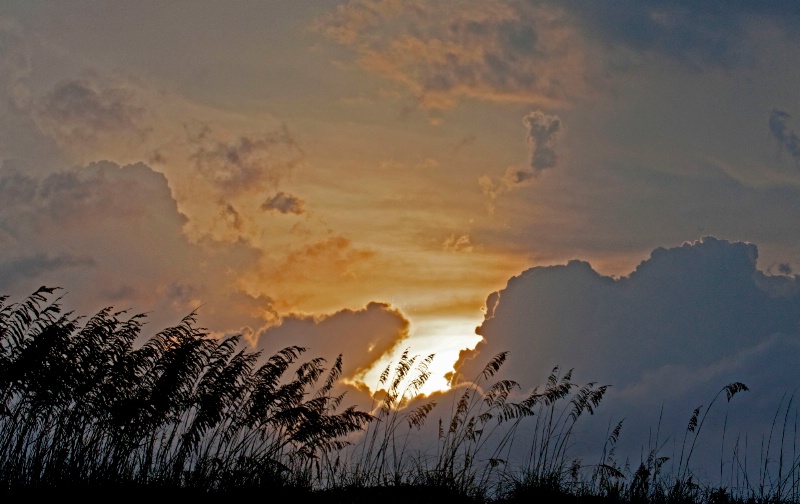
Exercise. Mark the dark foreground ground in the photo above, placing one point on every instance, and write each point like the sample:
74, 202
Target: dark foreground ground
374, 495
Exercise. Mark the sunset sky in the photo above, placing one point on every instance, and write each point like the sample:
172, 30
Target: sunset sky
613, 186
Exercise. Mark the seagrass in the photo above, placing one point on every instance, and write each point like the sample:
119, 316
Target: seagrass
93, 403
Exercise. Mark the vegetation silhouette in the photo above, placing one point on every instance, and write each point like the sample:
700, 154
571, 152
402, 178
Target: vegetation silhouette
86, 405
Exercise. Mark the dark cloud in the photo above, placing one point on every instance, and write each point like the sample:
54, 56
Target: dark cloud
696, 35
246, 162
786, 138
548, 52
689, 305
98, 192
36, 265
541, 136
284, 203
543, 130
78, 111
231, 216
362, 336
689, 320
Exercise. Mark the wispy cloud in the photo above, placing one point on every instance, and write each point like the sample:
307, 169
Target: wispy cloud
489, 50
38, 265
542, 133
284, 203
245, 162
787, 139
78, 111
543, 130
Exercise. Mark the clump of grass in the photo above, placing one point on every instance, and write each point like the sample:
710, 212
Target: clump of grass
81, 405
555, 411
473, 439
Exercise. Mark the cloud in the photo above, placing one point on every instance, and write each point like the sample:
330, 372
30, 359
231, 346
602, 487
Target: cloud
693, 35
20, 137
236, 164
688, 305
786, 138
38, 265
15, 65
490, 50
645, 205
114, 233
467, 141
231, 216
363, 336
284, 203
543, 130
455, 243
542, 133
546, 53
80, 112
689, 320
334, 266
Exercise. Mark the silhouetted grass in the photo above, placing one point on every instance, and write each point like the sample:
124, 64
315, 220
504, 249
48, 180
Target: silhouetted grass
88, 405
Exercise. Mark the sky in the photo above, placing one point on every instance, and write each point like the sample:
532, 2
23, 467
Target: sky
609, 186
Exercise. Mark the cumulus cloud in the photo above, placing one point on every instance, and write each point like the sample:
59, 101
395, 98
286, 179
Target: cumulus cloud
786, 138
689, 320
284, 203
102, 191
114, 233
688, 305
361, 336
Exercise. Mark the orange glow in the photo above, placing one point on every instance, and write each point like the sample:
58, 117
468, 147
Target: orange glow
444, 337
